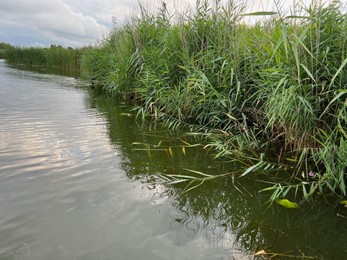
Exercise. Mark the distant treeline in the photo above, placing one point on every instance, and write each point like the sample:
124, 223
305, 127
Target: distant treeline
64, 59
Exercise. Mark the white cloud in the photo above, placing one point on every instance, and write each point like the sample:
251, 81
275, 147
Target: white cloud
104, 10
52, 19
82, 22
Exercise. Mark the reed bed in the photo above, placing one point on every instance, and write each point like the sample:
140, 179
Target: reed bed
65, 59
3, 48
274, 87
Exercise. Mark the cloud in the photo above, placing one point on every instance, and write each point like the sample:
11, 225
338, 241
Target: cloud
105, 10
81, 22
51, 20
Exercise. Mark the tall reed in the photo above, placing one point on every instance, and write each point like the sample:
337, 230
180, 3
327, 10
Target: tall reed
3, 48
64, 59
277, 85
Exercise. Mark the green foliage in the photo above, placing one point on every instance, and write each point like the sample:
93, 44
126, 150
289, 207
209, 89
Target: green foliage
278, 85
65, 59
287, 204
3, 48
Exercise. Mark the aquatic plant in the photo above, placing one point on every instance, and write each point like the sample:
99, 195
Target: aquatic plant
276, 87
3, 48
65, 59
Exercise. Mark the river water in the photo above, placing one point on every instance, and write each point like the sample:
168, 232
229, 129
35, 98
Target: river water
75, 183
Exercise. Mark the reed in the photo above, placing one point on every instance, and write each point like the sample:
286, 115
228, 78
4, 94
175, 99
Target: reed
3, 48
56, 57
278, 85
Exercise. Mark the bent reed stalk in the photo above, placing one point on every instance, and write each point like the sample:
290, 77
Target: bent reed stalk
275, 85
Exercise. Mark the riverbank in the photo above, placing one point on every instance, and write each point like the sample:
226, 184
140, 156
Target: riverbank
276, 86
75, 157
65, 60
275, 89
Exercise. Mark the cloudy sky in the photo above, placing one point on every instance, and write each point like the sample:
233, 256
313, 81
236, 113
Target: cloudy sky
75, 22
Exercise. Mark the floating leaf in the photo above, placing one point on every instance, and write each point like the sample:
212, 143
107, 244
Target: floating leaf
287, 204
170, 151
186, 143
184, 150
248, 170
344, 202
269, 189
261, 252
176, 181
188, 188
126, 114
200, 173
291, 159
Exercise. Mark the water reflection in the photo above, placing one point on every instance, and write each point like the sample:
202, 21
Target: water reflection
49, 70
63, 189
238, 222
73, 186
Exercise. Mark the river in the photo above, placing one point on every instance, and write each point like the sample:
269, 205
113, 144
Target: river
75, 184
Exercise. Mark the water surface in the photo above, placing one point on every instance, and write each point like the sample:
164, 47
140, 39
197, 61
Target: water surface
73, 185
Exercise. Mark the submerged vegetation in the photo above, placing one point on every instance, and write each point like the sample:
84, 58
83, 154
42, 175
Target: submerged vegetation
64, 59
277, 87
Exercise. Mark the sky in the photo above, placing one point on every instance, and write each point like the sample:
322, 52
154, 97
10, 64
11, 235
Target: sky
76, 23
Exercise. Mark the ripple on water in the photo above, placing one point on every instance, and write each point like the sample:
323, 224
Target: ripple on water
64, 192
